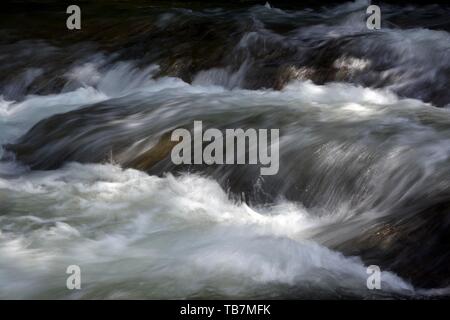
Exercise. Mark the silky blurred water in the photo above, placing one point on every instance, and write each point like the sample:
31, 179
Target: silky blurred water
363, 148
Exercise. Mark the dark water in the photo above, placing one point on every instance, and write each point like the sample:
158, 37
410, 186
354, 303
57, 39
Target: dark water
87, 179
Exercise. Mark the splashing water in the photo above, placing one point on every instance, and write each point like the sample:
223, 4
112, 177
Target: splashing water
364, 153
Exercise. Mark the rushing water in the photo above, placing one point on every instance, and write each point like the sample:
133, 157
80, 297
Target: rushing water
86, 176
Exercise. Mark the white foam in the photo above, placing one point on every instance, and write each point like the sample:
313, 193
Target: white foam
136, 235
162, 237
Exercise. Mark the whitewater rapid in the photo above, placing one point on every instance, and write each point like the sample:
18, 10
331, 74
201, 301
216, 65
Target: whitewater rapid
364, 158
135, 235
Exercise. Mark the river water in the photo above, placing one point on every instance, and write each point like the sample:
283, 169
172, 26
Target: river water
86, 177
